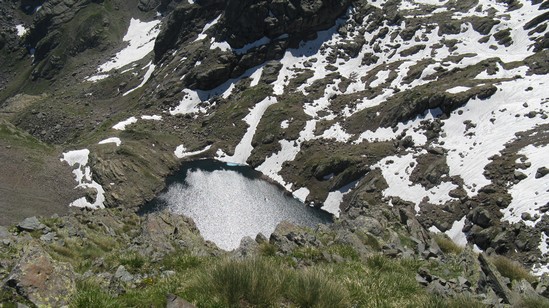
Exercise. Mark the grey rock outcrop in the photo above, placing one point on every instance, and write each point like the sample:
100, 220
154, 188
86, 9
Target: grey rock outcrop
42, 280
31, 224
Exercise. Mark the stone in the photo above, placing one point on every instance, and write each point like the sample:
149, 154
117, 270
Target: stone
391, 253
248, 247
519, 175
438, 288
496, 281
174, 301
30, 224
367, 224
541, 172
524, 288
422, 281
123, 275
543, 286
246, 21
48, 237
4, 234
261, 238
436, 150
462, 281
270, 71
42, 280
481, 217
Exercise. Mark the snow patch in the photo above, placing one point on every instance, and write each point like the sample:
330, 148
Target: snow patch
122, 125
289, 149
140, 38
334, 199
83, 176
336, 132
146, 77
495, 121
244, 147
456, 233
152, 118
457, 89
181, 151
114, 140
301, 194
21, 30
96, 78
531, 193
397, 170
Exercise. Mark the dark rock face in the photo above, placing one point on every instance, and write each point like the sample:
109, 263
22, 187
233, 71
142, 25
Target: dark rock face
283, 23
247, 21
51, 16
184, 22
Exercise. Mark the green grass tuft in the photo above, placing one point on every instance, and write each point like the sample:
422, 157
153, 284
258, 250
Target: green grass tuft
255, 281
90, 295
314, 288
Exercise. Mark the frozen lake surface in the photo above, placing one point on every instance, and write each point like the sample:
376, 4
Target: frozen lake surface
228, 203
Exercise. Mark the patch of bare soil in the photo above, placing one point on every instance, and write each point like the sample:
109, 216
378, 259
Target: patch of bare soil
33, 183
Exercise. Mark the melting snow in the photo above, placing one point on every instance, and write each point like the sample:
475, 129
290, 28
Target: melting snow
469, 151
397, 170
21, 30
456, 233
114, 140
146, 77
140, 38
301, 194
181, 151
334, 199
457, 89
530, 193
153, 117
83, 175
97, 77
122, 125
244, 148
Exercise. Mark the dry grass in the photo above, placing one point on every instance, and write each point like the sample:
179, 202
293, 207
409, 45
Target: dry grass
447, 245
511, 269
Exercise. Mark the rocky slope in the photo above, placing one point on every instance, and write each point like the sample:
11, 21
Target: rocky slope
437, 106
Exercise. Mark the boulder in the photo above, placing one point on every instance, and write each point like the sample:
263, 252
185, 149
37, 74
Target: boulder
480, 217
123, 275
541, 172
496, 281
248, 247
31, 224
42, 280
174, 301
543, 286
164, 232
